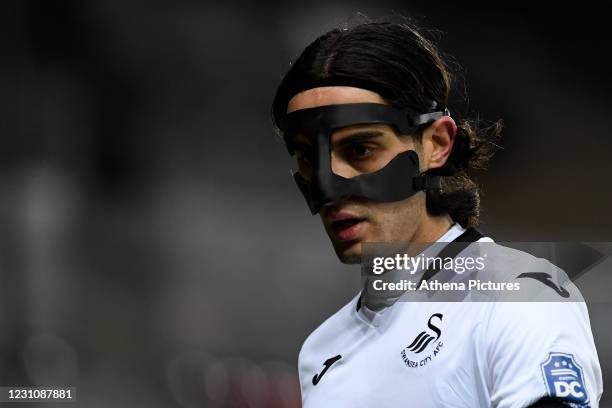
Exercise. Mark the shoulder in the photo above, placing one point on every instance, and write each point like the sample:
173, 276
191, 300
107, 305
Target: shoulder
531, 334
546, 304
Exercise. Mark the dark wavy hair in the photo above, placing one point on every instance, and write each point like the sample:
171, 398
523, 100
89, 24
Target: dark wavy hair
396, 60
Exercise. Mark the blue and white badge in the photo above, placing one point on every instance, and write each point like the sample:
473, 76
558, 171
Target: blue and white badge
564, 379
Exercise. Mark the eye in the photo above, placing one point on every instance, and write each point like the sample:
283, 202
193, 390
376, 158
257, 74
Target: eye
360, 151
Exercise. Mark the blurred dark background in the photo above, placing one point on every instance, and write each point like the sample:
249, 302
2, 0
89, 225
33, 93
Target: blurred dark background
155, 251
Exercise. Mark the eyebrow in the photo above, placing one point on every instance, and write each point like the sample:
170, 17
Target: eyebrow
359, 136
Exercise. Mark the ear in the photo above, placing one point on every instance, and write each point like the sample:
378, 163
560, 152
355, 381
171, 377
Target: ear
438, 141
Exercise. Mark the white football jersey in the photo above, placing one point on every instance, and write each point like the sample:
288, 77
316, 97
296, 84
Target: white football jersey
451, 354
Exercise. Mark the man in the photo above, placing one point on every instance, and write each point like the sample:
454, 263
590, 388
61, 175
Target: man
363, 110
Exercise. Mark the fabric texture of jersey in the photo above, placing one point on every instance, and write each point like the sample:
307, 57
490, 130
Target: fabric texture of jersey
451, 354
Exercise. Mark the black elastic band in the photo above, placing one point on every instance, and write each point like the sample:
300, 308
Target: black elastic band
426, 182
469, 235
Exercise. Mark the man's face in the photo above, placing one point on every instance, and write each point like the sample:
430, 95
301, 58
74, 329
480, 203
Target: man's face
357, 150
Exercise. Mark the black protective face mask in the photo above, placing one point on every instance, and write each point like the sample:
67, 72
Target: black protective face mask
398, 180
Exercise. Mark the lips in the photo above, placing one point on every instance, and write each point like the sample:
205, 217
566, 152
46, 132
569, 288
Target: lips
346, 226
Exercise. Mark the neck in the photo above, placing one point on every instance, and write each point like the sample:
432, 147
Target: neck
431, 228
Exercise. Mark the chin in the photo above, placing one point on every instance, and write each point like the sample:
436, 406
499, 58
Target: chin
348, 253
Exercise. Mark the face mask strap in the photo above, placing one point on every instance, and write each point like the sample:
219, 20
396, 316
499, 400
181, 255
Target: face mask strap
310, 121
